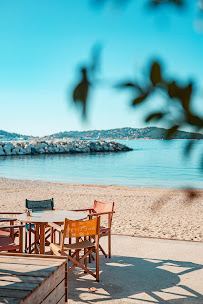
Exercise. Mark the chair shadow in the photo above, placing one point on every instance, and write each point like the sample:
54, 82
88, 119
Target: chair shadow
129, 279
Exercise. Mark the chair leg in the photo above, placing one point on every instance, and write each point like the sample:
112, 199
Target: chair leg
25, 240
29, 238
85, 260
102, 250
97, 263
90, 256
109, 244
69, 243
77, 255
21, 239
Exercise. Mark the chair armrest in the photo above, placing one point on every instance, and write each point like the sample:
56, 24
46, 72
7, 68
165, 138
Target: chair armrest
7, 219
12, 226
89, 209
101, 213
55, 226
11, 212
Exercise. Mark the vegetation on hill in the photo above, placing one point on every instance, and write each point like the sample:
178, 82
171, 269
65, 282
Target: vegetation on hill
126, 133
4, 135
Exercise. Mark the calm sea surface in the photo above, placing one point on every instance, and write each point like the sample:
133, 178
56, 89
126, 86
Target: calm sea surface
152, 163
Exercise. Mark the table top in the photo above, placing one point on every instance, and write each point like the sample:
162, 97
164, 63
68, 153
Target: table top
51, 216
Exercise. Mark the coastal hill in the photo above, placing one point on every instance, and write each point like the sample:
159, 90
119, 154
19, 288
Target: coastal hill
125, 133
4, 135
119, 133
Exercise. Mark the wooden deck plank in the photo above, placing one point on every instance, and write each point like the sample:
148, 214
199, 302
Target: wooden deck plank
19, 268
55, 295
62, 300
13, 293
37, 273
5, 300
29, 261
23, 279
28, 279
18, 286
46, 287
26, 255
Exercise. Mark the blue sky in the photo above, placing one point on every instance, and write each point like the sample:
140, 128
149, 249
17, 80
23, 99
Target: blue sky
42, 43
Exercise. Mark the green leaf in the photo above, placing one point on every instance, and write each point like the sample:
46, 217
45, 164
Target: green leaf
188, 147
172, 131
155, 73
154, 116
125, 85
139, 99
80, 93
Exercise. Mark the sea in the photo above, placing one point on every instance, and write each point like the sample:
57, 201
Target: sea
151, 163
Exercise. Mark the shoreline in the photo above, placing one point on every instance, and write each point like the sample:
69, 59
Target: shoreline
144, 212
104, 186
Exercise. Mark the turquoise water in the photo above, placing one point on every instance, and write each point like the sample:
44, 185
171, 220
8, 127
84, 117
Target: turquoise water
152, 163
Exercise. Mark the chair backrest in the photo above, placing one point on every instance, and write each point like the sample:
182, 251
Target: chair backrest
103, 207
81, 228
40, 205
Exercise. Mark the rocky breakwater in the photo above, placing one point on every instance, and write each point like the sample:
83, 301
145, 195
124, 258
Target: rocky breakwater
51, 147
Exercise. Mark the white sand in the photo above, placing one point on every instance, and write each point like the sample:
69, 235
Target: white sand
139, 211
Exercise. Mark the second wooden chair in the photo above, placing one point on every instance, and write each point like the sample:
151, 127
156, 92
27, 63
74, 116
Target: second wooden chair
41, 205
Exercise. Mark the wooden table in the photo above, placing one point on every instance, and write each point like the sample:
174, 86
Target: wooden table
42, 218
26, 278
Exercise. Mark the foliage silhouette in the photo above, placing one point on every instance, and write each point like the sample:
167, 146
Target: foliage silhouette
178, 96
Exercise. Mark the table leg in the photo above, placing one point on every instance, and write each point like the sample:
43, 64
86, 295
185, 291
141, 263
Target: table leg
36, 238
42, 239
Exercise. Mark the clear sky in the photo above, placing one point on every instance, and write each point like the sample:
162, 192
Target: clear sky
43, 41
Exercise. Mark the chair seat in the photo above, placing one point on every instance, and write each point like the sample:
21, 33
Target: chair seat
104, 229
4, 232
27, 226
7, 244
79, 245
7, 231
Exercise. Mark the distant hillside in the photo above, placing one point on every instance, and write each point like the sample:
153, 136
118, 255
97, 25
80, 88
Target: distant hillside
125, 133
120, 133
12, 136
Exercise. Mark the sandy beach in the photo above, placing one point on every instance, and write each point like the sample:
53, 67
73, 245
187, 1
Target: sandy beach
149, 212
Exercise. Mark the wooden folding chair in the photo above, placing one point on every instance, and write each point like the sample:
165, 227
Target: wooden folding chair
105, 211
8, 234
41, 205
80, 230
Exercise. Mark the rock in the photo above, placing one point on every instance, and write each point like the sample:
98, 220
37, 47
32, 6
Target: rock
33, 151
41, 151
110, 148
15, 150
56, 149
2, 151
9, 145
28, 150
42, 145
50, 147
62, 149
7, 148
22, 151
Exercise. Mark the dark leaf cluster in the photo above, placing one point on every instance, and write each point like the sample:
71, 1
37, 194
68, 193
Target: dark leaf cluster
87, 78
177, 99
